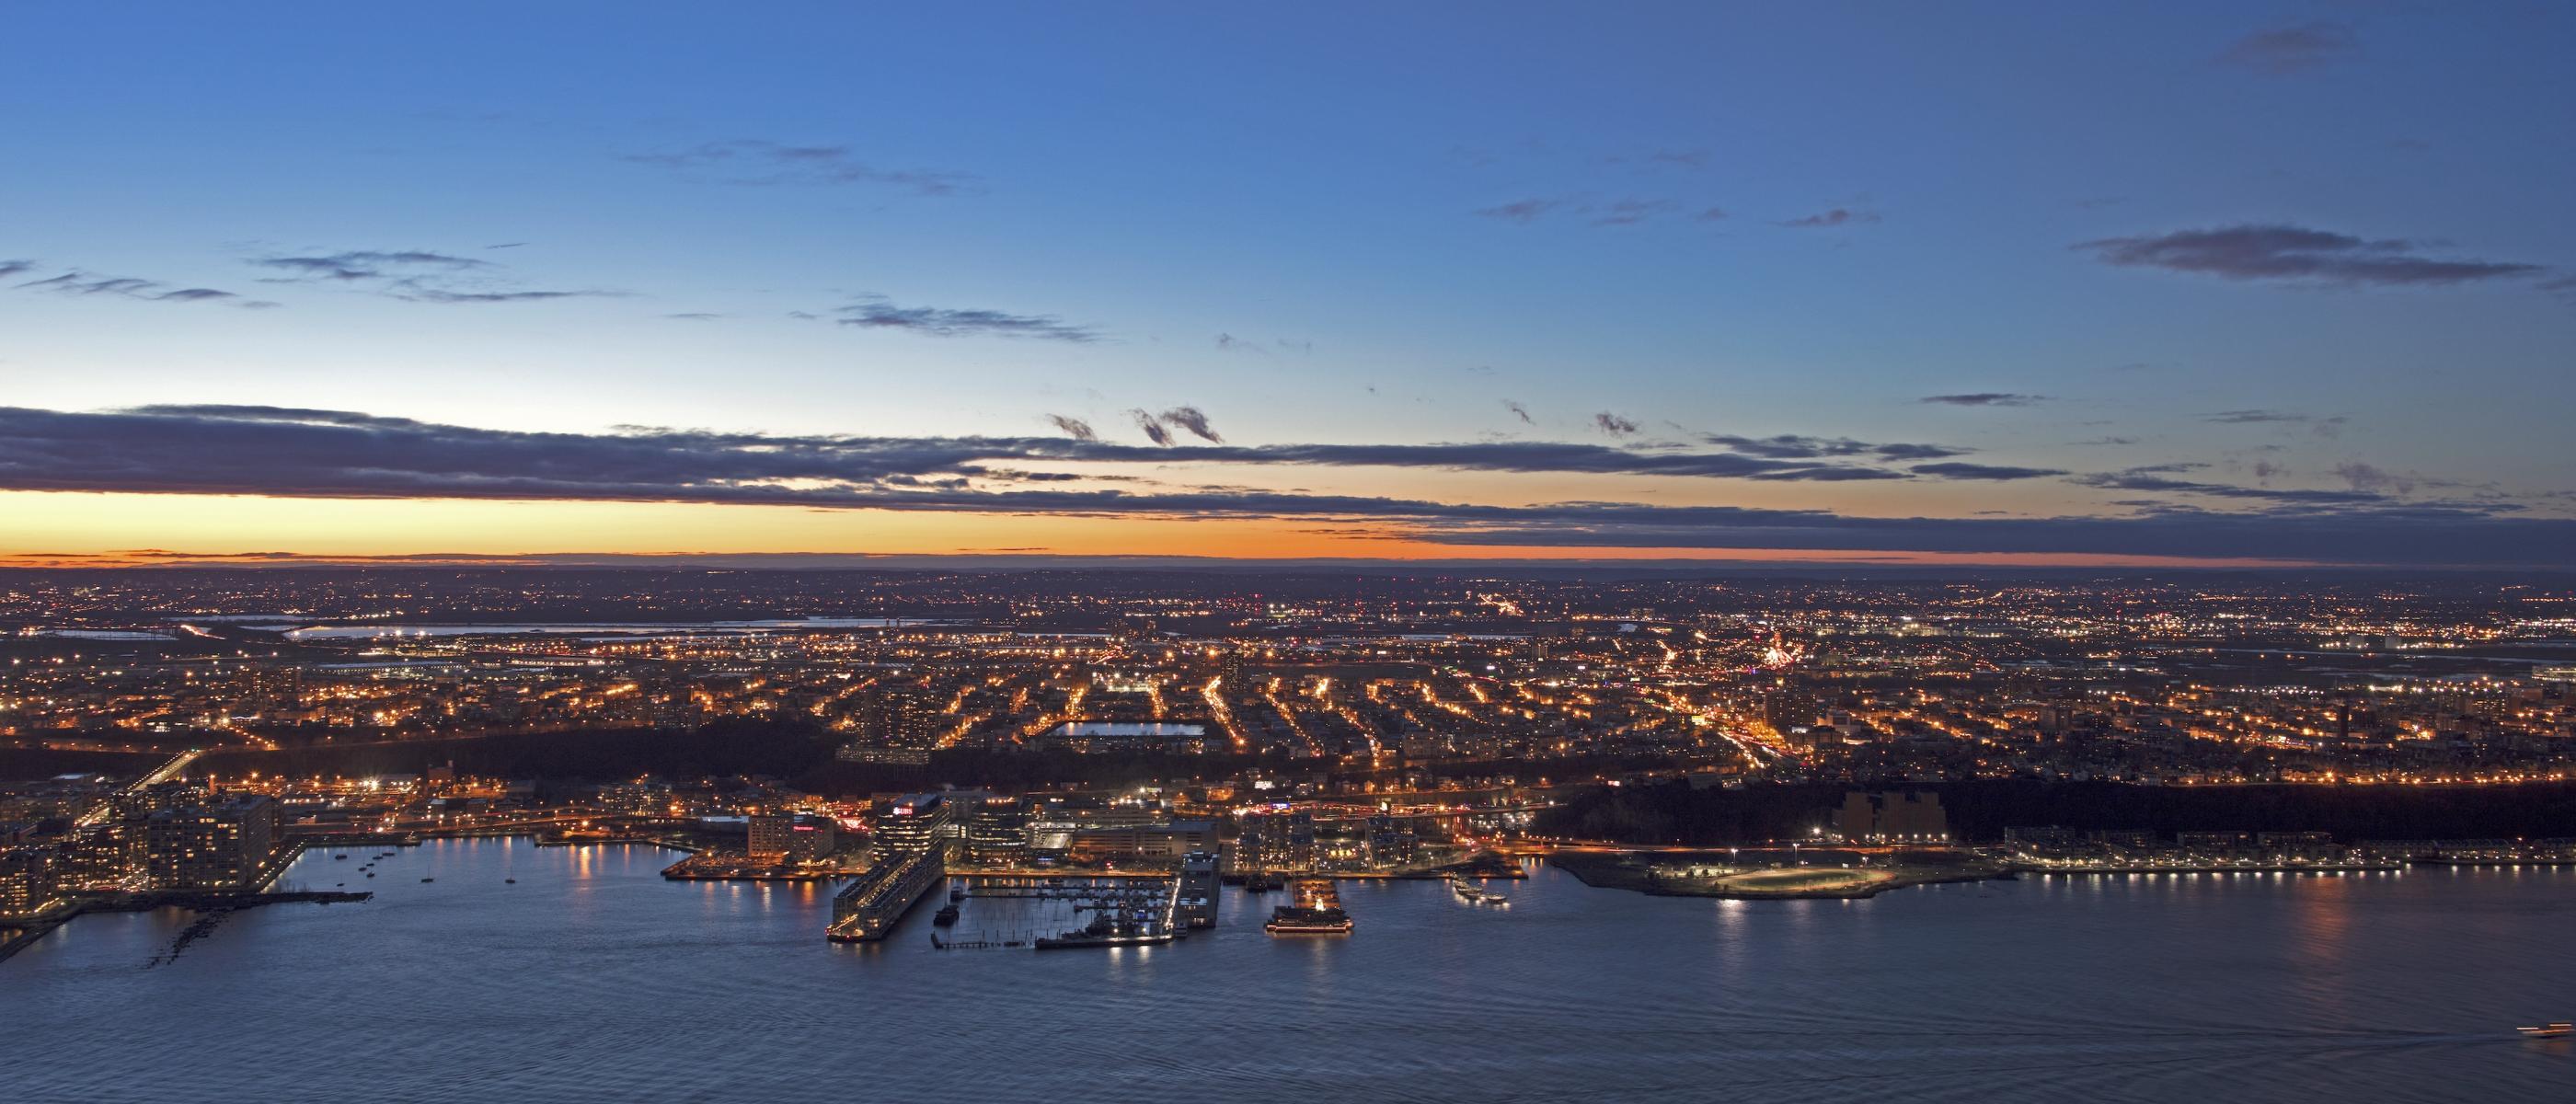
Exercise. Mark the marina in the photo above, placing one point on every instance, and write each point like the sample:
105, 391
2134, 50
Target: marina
1060, 912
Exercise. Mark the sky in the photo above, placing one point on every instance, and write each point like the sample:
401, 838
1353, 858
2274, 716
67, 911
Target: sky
1986, 283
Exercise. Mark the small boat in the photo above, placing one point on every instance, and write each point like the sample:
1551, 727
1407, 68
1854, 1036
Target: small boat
342, 855
957, 893
429, 879
371, 873
2558, 1030
510, 881
946, 915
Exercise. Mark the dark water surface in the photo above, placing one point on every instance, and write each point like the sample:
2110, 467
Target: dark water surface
593, 979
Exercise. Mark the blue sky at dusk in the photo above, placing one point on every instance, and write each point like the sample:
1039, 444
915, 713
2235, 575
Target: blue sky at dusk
2212, 282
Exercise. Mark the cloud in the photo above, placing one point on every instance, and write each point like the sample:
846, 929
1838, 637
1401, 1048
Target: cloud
2252, 417
1520, 412
875, 312
1994, 472
421, 294
2151, 479
1519, 210
1194, 420
751, 161
1629, 212
1153, 426
1790, 446
75, 282
292, 452
1838, 216
1984, 398
366, 264
1711, 214
1613, 424
2294, 254
694, 316
2291, 49
2372, 479
414, 275
2322, 427
1074, 427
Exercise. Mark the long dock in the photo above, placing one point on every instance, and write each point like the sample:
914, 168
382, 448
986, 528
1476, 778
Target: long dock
865, 910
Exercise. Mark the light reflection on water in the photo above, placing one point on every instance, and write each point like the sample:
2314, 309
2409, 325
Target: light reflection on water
594, 979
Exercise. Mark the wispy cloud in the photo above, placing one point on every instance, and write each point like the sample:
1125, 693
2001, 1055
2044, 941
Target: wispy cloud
1614, 425
1984, 398
1152, 425
1073, 427
75, 282
1839, 216
1629, 212
1520, 210
1792, 446
1194, 420
752, 161
2322, 426
1955, 469
2291, 49
877, 313
414, 275
358, 265
2297, 255
1519, 411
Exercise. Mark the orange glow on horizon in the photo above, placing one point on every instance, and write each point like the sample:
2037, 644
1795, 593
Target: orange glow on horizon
115, 530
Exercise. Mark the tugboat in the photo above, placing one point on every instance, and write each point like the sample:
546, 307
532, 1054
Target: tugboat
2558, 1030
956, 893
946, 916
1317, 911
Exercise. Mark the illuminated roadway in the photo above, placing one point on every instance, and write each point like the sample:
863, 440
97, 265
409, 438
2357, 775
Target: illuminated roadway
177, 765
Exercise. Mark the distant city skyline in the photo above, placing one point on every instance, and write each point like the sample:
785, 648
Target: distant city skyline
2271, 284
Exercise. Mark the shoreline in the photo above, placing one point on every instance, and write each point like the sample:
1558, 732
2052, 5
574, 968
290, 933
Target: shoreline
194, 900
1610, 871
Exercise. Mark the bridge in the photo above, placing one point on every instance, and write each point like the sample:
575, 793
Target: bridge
106, 807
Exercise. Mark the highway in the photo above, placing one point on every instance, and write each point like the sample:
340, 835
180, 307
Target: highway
177, 766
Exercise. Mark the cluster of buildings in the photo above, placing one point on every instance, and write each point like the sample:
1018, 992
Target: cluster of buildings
166, 836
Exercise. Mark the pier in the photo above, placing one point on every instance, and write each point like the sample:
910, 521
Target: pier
866, 909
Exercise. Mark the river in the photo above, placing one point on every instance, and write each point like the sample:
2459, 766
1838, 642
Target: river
591, 978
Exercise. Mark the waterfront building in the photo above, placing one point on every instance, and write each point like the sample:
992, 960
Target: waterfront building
1391, 842
1276, 841
26, 880
915, 825
997, 833
226, 845
1139, 842
800, 838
